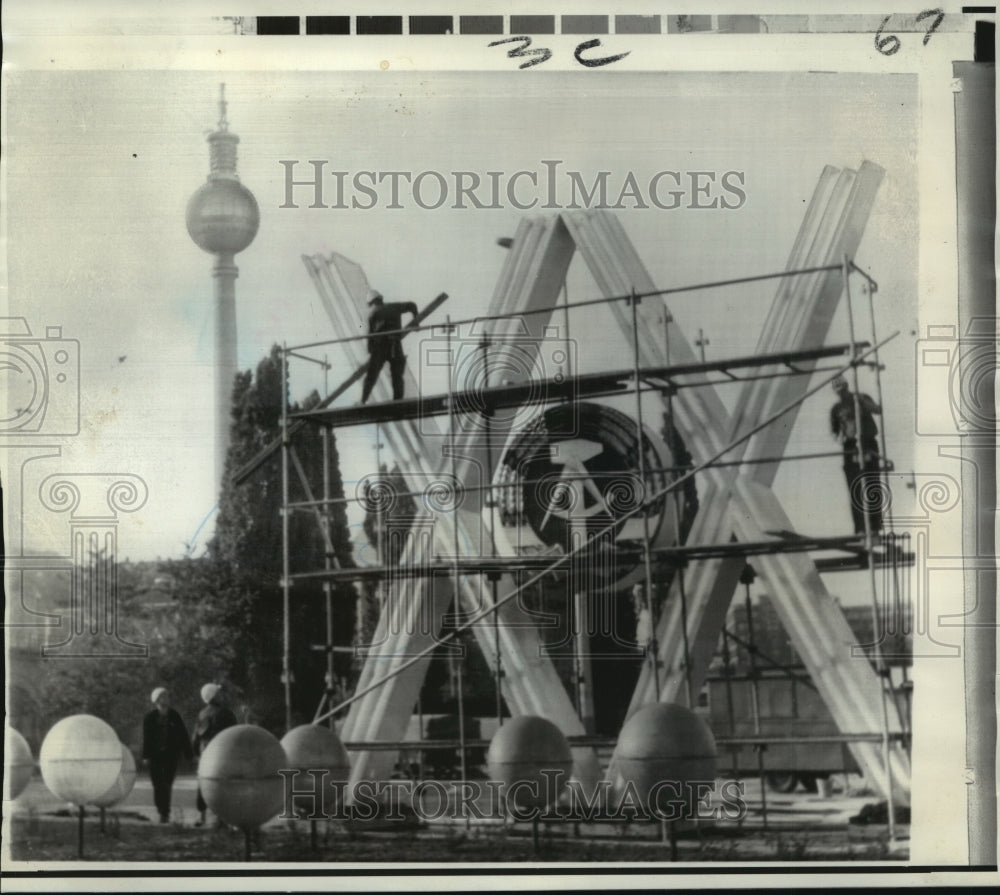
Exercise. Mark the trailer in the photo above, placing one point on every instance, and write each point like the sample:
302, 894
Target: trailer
789, 708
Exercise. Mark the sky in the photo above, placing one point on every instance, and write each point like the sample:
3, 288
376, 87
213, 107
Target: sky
100, 166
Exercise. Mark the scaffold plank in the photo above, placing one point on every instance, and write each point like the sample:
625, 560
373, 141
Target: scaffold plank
271, 449
688, 553
585, 385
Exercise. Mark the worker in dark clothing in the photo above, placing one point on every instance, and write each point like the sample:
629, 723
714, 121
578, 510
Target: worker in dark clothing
164, 741
862, 474
212, 719
386, 318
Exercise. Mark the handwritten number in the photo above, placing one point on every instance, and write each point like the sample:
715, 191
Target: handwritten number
541, 54
889, 44
938, 19
594, 63
886, 45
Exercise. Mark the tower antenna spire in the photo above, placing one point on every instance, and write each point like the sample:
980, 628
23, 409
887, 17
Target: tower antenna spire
223, 124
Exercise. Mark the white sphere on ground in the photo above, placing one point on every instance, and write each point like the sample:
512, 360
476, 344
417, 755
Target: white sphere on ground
121, 788
531, 757
80, 758
238, 776
310, 747
18, 764
665, 745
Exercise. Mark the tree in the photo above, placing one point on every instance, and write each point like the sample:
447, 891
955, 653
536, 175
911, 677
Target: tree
117, 688
246, 556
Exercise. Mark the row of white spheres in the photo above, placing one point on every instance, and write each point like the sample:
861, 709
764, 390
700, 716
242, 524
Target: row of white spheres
83, 762
238, 771
239, 779
661, 741
239, 776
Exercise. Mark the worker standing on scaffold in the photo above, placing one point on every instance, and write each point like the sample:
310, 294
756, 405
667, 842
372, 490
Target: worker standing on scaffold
387, 319
863, 482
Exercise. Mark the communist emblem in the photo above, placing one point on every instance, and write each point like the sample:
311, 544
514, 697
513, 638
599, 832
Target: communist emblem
572, 480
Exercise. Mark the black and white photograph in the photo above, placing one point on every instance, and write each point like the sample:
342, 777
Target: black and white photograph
444, 446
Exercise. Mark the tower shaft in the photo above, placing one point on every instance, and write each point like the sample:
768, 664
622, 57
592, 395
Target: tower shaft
225, 273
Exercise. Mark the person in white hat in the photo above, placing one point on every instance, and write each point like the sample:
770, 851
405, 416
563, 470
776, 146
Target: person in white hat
212, 720
164, 741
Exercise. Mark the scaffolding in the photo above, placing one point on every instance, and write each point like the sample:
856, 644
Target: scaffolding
483, 571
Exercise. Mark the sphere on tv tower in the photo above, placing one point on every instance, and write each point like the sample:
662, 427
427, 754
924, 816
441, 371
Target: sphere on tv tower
222, 216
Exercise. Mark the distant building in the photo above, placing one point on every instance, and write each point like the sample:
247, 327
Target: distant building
774, 643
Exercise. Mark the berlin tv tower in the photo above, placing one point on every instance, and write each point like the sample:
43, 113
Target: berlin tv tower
222, 218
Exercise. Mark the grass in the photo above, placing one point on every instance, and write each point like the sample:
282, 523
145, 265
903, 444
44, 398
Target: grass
46, 838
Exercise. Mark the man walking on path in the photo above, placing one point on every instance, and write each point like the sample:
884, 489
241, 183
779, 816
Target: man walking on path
863, 478
164, 741
385, 343
212, 719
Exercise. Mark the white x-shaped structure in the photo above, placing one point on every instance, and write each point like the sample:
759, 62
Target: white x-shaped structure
735, 502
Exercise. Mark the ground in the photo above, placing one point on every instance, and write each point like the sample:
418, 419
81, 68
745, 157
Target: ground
46, 839
801, 827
